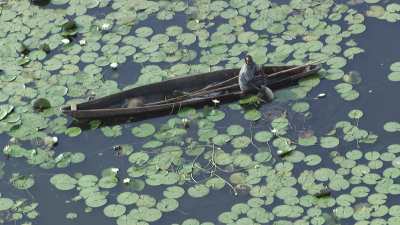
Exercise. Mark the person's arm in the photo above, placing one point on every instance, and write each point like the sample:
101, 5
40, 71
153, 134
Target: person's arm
242, 72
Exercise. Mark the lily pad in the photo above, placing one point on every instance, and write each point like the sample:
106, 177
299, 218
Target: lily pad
174, 192
300, 107
73, 131
329, 142
263, 136
63, 181
143, 130
6, 203
127, 198
5, 110
22, 182
114, 210
235, 130
252, 115
392, 126
198, 191
355, 114
95, 200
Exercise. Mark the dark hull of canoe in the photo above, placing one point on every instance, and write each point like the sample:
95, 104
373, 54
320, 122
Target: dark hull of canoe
101, 108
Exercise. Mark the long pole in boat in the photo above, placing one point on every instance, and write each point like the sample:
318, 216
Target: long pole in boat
211, 88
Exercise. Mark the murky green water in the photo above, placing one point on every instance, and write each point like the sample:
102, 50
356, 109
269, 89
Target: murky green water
224, 168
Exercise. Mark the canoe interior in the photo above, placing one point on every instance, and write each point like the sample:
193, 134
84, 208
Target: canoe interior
166, 89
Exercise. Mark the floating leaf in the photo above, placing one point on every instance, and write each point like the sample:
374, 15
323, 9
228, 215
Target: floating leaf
329, 142
73, 131
355, 114
22, 182
392, 126
263, 136
252, 115
63, 181
127, 198
6, 203
96, 199
69, 28
113, 131
394, 76
216, 115
300, 107
114, 210
5, 110
221, 139
353, 77
149, 214
71, 216
307, 141
240, 142
143, 130
87, 181
235, 130
108, 181
174, 192
41, 104
167, 205
198, 191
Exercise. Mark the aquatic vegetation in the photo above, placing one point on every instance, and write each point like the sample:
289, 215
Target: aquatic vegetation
390, 13
17, 210
395, 74
271, 165
45, 158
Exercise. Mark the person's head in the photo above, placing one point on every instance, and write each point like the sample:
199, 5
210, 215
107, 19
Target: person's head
248, 59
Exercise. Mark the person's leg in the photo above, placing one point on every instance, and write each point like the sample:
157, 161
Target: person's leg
263, 90
267, 93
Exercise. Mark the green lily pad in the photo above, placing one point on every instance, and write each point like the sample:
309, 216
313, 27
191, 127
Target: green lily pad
22, 182
5, 110
173, 192
6, 203
252, 115
240, 142
263, 136
355, 114
353, 77
307, 141
392, 126
198, 191
127, 198
96, 199
63, 181
221, 139
108, 182
235, 130
87, 181
113, 131
300, 107
216, 115
73, 131
167, 205
41, 104
114, 210
329, 142
143, 130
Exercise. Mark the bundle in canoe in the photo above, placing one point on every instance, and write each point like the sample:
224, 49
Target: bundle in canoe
170, 95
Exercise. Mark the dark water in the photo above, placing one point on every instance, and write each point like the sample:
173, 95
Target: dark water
379, 106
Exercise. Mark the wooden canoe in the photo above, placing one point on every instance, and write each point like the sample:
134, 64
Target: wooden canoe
154, 95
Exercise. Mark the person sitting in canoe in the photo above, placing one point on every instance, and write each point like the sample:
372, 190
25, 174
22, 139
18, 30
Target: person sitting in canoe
246, 75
